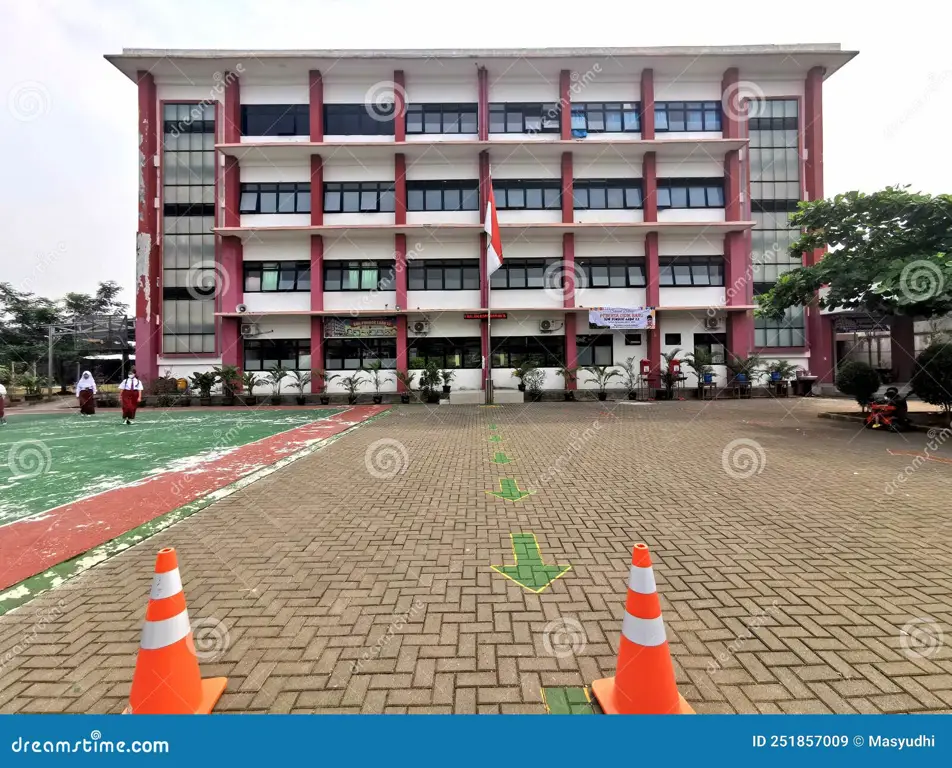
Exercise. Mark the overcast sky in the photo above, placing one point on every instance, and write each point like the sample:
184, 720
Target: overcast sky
68, 175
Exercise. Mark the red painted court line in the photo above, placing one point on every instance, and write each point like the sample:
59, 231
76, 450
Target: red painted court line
918, 454
31, 546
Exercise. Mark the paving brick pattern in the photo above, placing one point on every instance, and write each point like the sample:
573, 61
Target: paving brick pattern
325, 589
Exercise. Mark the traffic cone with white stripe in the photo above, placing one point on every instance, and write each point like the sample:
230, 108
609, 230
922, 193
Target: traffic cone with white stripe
644, 676
167, 680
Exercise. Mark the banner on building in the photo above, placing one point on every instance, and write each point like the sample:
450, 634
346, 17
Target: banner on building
359, 327
622, 318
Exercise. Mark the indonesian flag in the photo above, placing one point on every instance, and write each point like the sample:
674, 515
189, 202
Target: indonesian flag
494, 241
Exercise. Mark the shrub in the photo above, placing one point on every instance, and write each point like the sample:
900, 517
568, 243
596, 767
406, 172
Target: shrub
932, 376
858, 379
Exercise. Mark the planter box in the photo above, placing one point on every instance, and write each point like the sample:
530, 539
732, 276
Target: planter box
503, 396
468, 397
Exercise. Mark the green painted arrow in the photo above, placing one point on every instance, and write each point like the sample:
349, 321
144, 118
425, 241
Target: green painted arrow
495, 439
530, 572
509, 490
492, 426
501, 458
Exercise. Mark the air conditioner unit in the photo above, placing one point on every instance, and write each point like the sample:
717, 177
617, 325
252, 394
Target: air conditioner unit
249, 329
242, 308
548, 326
711, 323
421, 327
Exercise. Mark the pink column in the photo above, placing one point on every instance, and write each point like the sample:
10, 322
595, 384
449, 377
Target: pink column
400, 269
317, 299
316, 111
231, 114
565, 104
484, 182
317, 191
819, 329
568, 301
148, 263
737, 275
400, 188
231, 295
647, 104
568, 202
482, 104
649, 180
399, 106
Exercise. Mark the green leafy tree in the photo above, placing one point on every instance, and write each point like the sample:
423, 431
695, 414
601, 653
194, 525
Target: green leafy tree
859, 380
932, 376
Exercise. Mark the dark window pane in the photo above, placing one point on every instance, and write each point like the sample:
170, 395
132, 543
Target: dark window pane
416, 279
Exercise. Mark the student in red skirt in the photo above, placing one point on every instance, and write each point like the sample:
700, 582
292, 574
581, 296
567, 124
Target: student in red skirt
3, 395
86, 392
130, 393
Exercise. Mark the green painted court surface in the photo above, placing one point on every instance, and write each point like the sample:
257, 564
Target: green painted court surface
50, 459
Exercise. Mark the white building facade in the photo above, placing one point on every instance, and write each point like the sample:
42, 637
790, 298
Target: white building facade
323, 209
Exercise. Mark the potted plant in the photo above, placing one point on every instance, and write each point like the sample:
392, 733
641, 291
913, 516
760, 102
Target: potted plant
351, 384
520, 373
447, 377
377, 379
276, 374
631, 373
203, 382
568, 376
249, 381
602, 375
299, 380
669, 378
230, 378
406, 378
701, 362
321, 379
185, 397
780, 370
744, 369
430, 380
533, 381
33, 387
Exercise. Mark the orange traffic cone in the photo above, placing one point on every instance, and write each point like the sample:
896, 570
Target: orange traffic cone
644, 676
167, 680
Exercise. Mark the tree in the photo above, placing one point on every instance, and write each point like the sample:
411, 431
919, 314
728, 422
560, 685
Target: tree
932, 377
889, 254
858, 379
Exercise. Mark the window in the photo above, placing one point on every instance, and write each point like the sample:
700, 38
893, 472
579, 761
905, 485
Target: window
443, 275
441, 118
452, 195
785, 332
600, 194
691, 270
262, 354
359, 276
771, 239
690, 193
275, 120
632, 339
774, 150
671, 339
358, 119
524, 118
276, 198
615, 117
687, 116
594, 350
354, 354
358, 197
542, 351
527, 273
189, 274
446, 353
611, 273
530, 195
272, 276
714, 344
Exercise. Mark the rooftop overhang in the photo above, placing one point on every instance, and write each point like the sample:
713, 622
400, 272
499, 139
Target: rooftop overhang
681, 62
251, 316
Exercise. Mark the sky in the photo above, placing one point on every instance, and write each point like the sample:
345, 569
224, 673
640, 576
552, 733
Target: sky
68, 173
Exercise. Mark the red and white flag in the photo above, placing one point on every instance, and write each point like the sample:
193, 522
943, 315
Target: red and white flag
494, 241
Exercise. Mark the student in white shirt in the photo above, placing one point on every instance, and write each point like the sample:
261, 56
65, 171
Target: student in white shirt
86, 392
3, 395
130, 393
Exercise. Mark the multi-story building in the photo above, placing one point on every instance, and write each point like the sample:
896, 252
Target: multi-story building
324, 209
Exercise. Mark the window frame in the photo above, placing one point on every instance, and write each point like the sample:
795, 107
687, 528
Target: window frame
252, 268
505, 189
368, 351
382, 282
586, 264
511, 266
583, 112
549, 116
300, 189
467, 348
685, 185
711, 113
586, 186
424, 265
467, 190
669, 262
598, 341
367, 119
300, 347
298, 115
444, 110
705, 342
383, 191
502, 352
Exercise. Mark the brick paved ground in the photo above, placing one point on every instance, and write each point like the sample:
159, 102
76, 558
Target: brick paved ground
324, 589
